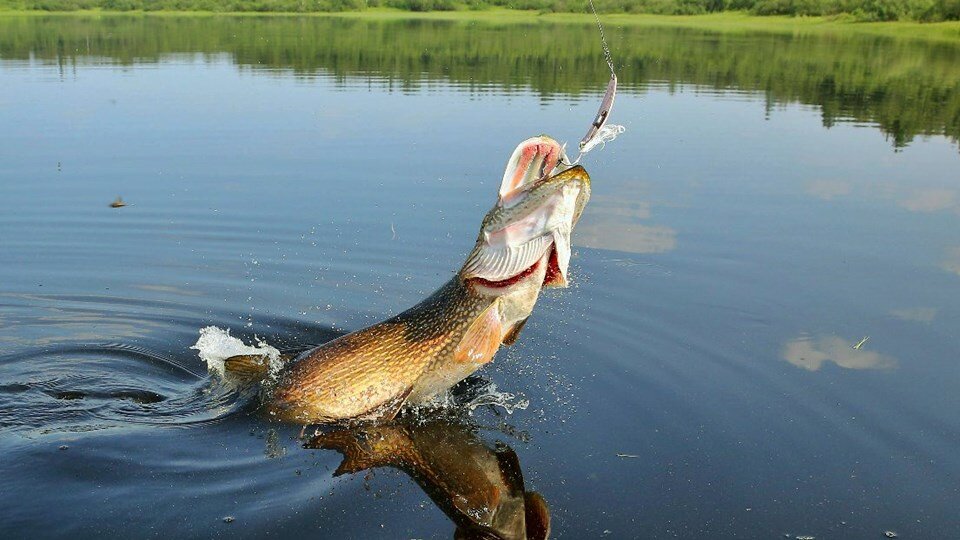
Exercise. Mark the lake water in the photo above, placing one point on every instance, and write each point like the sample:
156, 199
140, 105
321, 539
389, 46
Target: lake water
775, 200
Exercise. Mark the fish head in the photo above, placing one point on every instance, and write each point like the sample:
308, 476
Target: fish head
524, 241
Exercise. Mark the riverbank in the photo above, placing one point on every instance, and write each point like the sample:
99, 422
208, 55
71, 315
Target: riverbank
861, 10
729, 21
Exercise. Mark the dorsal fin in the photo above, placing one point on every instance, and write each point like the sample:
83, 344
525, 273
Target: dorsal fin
514, 332
482, 338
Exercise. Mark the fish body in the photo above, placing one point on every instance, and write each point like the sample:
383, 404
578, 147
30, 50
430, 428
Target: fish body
523, 246
369, 373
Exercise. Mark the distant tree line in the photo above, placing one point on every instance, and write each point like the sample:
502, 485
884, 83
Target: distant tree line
864, 10
907, 88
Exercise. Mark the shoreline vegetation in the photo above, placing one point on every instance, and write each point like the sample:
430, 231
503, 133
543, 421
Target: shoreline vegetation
834, 11
723, 22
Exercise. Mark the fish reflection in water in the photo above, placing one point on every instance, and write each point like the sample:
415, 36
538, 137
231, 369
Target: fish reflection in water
477, 485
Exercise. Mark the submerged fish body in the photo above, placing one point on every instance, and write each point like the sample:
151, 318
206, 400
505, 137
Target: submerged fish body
523, 246
481, 489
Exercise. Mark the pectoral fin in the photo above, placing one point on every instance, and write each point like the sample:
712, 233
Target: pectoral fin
514, 333
391, 409
537, 516
482, 338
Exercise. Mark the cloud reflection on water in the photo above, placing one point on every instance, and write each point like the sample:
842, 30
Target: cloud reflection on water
951, 262
614, 223
926, 200
929, 200
828, 189
811, 353
916, 314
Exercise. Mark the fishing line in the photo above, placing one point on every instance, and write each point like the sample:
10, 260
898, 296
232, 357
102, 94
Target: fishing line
603, 40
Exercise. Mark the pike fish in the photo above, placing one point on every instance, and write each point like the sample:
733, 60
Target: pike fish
523, 246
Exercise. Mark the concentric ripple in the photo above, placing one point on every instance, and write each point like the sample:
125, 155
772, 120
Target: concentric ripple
74, 387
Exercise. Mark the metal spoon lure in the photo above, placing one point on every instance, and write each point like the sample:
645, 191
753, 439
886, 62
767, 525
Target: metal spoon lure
604, 113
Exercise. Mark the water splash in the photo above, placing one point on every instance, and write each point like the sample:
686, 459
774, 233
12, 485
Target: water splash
606, 134
216, 345
469, 395
507, 401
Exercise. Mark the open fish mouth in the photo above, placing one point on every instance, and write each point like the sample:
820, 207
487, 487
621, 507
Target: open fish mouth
533, 160
527, 233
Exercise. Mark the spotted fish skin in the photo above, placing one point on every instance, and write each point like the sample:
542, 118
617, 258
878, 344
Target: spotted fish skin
371, 373
362, 375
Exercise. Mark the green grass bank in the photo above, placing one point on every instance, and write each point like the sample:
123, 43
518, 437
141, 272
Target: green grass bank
860, 10
723, 22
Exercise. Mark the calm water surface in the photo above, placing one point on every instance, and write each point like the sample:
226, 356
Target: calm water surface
775, 200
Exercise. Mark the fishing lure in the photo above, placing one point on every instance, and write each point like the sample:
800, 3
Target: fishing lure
602, 115
599, 133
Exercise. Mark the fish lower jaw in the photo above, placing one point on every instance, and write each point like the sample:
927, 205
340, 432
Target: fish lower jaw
500, 285
545, 272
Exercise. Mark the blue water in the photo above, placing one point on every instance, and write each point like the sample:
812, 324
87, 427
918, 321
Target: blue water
699, 378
